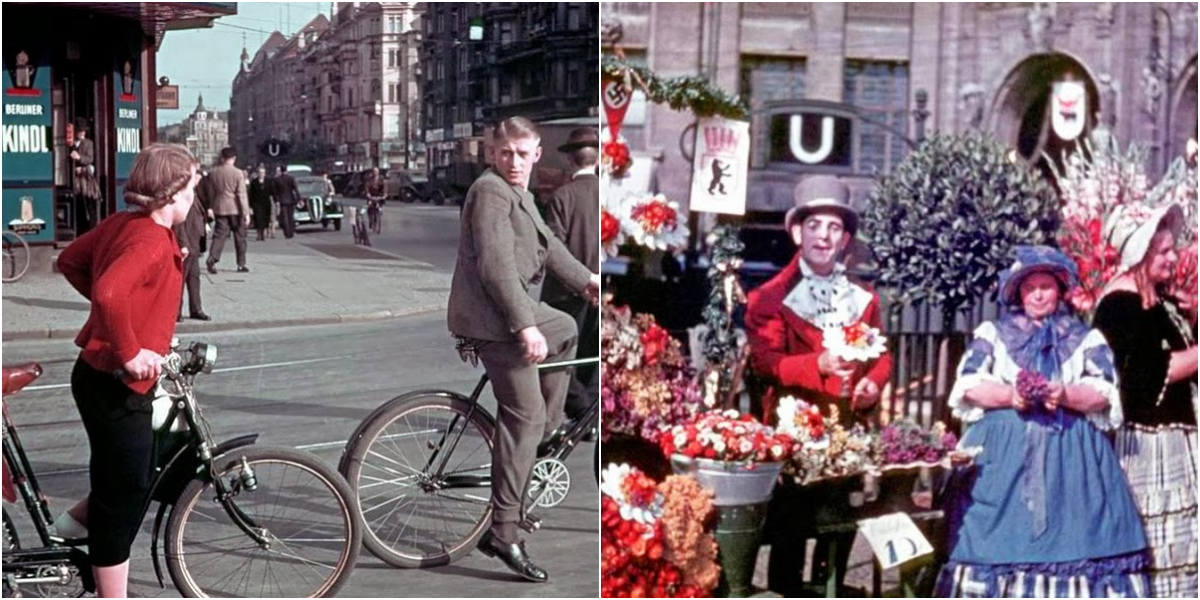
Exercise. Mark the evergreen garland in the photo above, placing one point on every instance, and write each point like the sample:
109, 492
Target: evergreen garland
693, 93
720, 344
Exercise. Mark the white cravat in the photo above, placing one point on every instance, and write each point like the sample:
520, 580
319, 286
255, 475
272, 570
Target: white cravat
827, 301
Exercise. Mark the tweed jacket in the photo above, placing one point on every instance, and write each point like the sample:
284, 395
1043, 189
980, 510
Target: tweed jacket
504, 251
191, 230
227, 190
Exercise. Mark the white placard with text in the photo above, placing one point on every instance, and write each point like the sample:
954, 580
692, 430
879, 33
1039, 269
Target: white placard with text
721, 166
895, 539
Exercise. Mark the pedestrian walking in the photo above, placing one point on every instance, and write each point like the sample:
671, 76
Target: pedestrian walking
573, 214
129, 269
260, 202
190, 234
504, 252
229, 209
286, 195
83, 170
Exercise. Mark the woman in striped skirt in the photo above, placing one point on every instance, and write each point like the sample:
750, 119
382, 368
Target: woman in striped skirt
1153, 336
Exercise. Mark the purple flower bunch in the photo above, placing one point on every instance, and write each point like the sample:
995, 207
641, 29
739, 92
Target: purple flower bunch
641, 392
1033, 387
906, 442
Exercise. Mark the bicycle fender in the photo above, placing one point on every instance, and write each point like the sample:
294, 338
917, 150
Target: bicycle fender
182, 467
158, 519
385, 407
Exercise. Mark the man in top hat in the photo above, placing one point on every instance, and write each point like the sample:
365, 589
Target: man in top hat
785, 322
84, 182
573, 214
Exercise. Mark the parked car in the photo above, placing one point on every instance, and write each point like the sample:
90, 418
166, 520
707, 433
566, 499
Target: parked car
314, 205
413, 187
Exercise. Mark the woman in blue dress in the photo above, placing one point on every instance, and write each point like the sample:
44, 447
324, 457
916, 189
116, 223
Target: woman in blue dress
1047, 511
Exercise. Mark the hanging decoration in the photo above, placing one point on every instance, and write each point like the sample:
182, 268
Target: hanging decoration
720, 166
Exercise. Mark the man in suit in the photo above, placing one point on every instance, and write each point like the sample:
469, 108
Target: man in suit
190, 233
504, 251
573, 214
286, 195
229, 208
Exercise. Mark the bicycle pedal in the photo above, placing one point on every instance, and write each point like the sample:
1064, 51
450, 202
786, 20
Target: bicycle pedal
530, 524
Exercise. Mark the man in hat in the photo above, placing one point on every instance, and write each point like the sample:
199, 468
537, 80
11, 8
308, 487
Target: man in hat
573, 214
84, 182
785, 322
505, 252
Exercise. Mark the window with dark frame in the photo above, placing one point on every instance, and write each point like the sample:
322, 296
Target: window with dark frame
879, 90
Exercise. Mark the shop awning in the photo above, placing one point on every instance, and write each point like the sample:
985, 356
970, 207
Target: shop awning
157, 18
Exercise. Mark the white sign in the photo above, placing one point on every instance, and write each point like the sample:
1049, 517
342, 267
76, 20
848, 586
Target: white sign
1068, 109
895, 539
721, 166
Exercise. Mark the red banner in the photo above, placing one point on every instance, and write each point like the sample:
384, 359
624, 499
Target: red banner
616, 98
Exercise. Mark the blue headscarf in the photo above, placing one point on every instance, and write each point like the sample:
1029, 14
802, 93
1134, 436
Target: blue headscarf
1042, 347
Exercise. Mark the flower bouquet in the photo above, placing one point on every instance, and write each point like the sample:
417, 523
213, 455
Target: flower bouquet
656, 538
824, 449
615, 158
654, 222
646, 383
611, 235
856, 342
727, 436
905, 443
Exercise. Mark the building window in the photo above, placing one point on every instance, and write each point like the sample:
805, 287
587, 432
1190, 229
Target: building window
770, 78
880, 91
393, 55
573, 79
574, 17
392, 93
376, 90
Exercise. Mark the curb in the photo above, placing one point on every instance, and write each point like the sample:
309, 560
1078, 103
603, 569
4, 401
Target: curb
191, 327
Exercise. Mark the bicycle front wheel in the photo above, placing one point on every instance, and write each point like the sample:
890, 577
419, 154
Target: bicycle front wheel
422, 472
304, 510
16, 256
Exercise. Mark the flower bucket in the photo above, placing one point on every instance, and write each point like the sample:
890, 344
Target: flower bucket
741, 495
732, 484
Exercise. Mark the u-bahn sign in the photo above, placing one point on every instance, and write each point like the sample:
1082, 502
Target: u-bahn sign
811, 135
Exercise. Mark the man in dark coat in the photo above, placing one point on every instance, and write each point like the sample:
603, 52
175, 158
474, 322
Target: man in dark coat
286, 194
573, 214
190, 235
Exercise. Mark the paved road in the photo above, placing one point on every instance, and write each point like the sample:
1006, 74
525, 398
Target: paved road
309, 387
424, 232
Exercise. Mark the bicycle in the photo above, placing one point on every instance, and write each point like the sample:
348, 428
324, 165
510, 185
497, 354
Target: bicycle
375, 214
358, 227
16, 256
237, 515
411, 458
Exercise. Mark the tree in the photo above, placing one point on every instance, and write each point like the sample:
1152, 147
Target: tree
944, 222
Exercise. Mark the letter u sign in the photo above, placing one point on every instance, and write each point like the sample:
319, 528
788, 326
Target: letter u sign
273, 149
796, 142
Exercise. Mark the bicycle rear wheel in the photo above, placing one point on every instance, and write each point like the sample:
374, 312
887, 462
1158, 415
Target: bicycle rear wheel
415, 514
16, 256
305, 509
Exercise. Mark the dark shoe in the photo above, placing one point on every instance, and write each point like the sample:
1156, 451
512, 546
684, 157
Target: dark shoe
199, 316
212, 268
243, 269
513, 556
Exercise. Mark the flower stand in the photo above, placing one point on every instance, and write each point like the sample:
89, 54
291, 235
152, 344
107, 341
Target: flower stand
741, 494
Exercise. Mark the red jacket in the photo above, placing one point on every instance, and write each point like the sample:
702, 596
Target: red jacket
784, 347
131, 270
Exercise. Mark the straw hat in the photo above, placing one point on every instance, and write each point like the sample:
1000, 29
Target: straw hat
1130, 228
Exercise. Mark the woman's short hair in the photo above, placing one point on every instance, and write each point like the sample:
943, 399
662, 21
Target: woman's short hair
159, 172
515, 128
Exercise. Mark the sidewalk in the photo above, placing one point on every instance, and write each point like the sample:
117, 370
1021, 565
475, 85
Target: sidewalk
312, 279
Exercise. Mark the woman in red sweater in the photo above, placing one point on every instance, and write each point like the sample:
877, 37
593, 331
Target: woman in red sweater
130, 268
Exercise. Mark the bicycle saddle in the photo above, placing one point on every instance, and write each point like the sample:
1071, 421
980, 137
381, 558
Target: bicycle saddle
19, 376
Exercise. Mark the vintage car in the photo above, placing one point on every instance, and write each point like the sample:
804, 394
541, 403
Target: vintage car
413, 187
315, 205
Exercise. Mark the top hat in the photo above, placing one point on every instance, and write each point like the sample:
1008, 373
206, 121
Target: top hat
822, 193
1130, 228
582, 137
81, 124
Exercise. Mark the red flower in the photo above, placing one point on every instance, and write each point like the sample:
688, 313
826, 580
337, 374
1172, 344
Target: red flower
617, 155
654, 341
654, 216
609, 227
